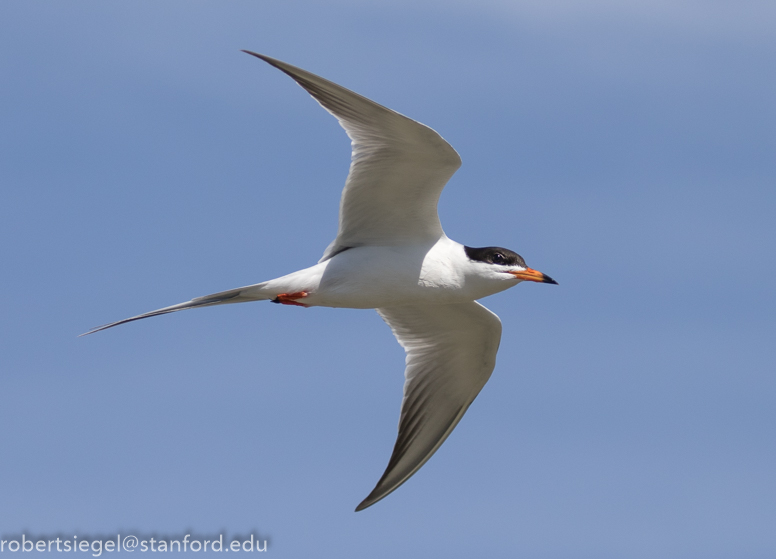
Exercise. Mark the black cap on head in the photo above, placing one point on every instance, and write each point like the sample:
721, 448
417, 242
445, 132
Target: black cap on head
495, 255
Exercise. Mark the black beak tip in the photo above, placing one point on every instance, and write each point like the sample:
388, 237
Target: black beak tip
548, 279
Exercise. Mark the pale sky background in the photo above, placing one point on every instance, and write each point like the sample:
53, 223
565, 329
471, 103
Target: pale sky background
627, 149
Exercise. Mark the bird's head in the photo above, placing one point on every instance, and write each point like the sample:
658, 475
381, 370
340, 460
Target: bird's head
505, 264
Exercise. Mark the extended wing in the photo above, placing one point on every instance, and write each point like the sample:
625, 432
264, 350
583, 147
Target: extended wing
451, 352
397, 172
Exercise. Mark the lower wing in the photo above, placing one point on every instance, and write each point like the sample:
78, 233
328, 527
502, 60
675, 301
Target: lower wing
451, 352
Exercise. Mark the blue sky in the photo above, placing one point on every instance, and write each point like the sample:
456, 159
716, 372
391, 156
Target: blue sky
625, 149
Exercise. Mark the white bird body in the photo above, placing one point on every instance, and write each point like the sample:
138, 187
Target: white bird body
392, 255
372, 277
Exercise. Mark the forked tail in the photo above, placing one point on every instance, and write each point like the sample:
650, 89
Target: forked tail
239, 295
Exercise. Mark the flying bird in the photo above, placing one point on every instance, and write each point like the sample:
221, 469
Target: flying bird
391, 254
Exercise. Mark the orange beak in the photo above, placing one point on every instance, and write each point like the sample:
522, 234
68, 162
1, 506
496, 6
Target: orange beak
532, 275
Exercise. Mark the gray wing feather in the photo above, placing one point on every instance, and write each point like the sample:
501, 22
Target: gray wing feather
398, 168
451, 352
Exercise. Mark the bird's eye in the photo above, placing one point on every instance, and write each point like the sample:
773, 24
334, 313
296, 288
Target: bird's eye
498, 258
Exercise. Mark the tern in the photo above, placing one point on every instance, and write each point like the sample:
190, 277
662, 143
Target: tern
391, 254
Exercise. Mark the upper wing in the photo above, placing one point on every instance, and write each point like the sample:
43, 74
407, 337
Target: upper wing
451, 352
397, 172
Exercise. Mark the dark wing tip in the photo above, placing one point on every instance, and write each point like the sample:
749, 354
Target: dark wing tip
371, 499
269, 60
362, 506
382, 489
256, 54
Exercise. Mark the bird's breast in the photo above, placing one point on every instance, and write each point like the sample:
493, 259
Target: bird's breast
375, 277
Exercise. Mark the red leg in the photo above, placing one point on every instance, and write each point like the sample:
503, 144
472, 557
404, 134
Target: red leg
290, 298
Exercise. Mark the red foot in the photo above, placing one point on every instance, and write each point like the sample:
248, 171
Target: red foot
289, 299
